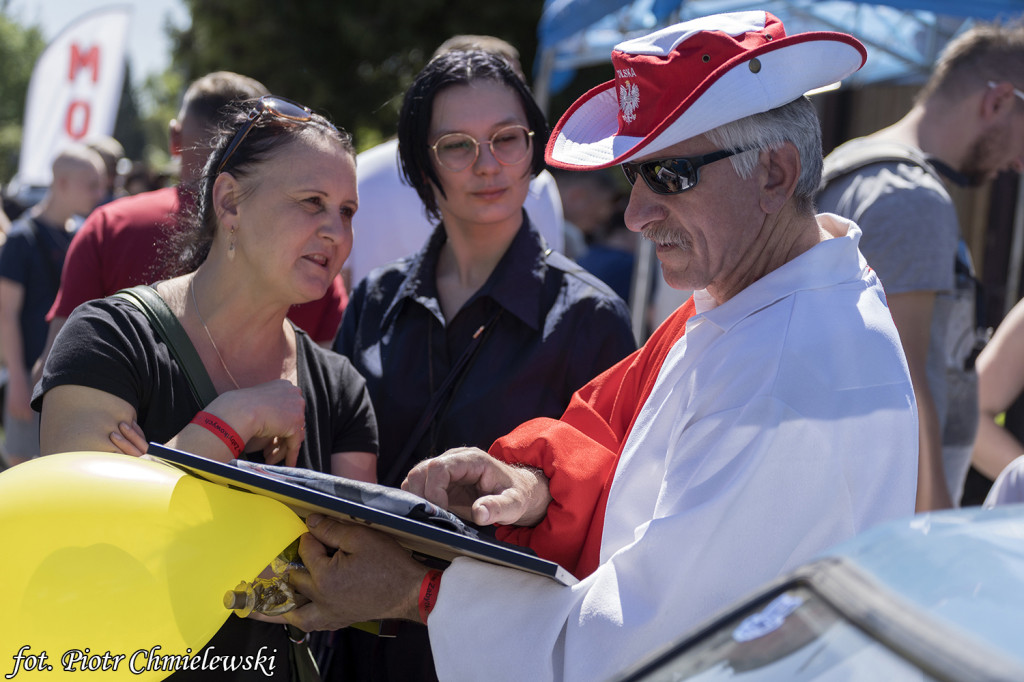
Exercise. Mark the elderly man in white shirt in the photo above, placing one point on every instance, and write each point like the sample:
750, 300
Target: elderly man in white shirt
780, 423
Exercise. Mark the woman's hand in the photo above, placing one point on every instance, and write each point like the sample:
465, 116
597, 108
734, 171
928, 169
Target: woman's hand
472, 484
78, 418
129, 439
271, 416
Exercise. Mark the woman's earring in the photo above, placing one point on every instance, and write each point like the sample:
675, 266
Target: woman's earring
231, 240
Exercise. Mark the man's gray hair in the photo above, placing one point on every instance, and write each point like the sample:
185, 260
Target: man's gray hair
796, 122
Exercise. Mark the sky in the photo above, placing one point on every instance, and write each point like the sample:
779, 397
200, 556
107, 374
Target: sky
148, 46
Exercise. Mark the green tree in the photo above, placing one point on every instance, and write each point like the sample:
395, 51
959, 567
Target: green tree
19, 49
160, 97
128, 127
348, 60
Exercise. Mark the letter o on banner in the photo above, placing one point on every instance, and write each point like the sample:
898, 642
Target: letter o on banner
76, 122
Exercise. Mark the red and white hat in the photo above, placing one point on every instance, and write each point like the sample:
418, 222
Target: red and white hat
692, 77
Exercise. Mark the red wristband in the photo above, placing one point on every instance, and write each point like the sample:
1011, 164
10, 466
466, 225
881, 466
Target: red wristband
428, 593
218, 428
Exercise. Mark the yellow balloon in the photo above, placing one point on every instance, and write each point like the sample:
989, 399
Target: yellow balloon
107, 556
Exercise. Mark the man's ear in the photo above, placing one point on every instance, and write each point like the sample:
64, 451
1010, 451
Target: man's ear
997, 101
59, 184
226, 193
781, 174
174, 137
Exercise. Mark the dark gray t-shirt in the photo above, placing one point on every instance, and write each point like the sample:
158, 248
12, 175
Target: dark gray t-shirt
911, 239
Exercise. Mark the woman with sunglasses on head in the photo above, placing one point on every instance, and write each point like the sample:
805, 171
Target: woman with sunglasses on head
485, 327
271, 229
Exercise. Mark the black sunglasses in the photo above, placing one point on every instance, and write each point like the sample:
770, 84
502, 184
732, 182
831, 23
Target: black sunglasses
278, 107
672, 176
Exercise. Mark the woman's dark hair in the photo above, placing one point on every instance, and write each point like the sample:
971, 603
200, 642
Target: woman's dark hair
189, 245
455, 68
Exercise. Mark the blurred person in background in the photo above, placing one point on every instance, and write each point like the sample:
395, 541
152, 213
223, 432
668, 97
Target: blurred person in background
1000, 384
592, 204
588, 203
5, 222
141, 178
966, 125
112, 153
30, 267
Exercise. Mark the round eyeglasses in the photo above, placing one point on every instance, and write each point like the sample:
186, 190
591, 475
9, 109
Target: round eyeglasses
672, 176
459, 151
278, 107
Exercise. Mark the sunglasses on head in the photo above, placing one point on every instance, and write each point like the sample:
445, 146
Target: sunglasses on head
278, 107
672, 176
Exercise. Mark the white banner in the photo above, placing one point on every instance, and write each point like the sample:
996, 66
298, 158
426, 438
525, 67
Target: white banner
75, 90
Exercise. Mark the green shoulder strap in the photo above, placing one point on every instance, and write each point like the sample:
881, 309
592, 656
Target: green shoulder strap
146, 299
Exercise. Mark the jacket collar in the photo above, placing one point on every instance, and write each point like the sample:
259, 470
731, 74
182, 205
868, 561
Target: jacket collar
516, 283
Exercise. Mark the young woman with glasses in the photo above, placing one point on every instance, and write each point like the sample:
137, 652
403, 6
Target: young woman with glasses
485, 327
271, 229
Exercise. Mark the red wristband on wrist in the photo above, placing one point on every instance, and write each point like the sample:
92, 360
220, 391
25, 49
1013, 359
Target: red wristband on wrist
218, 428
428, 593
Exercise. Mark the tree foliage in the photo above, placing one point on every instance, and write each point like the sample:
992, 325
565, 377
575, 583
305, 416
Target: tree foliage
128, 127
159, 97
19, 49
351, 61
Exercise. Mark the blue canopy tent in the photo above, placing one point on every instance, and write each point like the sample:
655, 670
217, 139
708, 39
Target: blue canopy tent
903, 38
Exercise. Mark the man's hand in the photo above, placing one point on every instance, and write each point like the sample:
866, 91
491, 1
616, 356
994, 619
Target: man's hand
369, 577
475, 486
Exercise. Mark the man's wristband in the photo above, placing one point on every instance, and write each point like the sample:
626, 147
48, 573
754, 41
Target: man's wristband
228, 435
428, 593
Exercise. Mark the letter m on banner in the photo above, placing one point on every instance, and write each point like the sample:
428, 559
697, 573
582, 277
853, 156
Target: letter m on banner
75, 90
90, 60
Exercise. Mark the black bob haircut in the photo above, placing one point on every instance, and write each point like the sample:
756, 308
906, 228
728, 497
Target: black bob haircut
455, 68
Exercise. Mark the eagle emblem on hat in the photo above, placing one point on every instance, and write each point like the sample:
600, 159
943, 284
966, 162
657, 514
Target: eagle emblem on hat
629, 100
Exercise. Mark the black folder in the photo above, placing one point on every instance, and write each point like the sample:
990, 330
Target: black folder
367, 504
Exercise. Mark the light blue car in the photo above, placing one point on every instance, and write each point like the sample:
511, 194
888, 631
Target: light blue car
939, 596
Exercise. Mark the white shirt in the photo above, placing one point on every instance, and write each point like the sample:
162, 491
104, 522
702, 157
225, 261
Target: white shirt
1008, 488
781, 423
391, 222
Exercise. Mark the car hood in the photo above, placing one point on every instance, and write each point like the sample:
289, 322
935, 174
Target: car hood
963, 566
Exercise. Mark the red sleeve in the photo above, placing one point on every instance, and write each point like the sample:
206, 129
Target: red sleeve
578, 453
321, 319
78, 280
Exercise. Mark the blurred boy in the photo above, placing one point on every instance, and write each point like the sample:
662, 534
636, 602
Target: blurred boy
30, 267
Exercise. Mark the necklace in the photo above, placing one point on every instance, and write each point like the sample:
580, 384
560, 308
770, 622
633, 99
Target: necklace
192, 288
